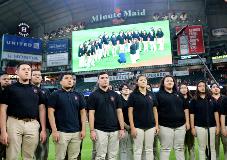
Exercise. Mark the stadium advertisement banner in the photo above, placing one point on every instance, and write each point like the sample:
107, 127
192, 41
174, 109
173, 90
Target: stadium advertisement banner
191, 61
155, 75
219, 59
190, 41
21, 57
125, 46
57, 46
16, 44
219, 32
57, 59
181, 73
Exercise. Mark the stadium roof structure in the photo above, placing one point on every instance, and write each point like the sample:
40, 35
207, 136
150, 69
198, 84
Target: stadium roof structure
42, 12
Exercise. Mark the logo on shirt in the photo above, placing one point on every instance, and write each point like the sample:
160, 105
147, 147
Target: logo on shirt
150, 97
35, 90
76, 98
43, 92
112, 98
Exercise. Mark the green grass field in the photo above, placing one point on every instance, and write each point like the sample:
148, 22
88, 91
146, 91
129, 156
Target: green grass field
87, 149
146, 59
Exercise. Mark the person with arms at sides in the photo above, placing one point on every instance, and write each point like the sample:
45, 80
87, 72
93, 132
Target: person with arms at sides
160, 39
81, 55
121, 42
152, 40
133, 54
4, 82
173, 116
218, 98
156, 139
67, 116
21, 105
105, 117
42, 148
125, 143
113, 40
144, 38
223, 113
143, 118
203, 117
189, 138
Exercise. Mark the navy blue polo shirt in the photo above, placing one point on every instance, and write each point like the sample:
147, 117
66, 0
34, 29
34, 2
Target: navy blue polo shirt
203, 110
159, 34
114, 41
125, 109
151, 36
143, 115
46, 94
223, 106
120, 39
80, 52
105, 105
144, 36
136, 35
133, 48
23, 100
170, 109
67, 107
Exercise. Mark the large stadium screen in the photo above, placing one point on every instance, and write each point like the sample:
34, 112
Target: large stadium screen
134, 45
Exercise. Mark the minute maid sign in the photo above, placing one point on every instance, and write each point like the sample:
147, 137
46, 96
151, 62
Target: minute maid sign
118, 14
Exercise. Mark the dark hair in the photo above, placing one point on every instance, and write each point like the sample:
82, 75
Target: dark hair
23, 63
211, 85
162, 88
34, 70
63, 74
102, 73
3, 73
122, 85
207, 91
137, 79
188, 93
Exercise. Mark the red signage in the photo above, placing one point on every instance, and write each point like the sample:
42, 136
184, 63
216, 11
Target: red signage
190, 41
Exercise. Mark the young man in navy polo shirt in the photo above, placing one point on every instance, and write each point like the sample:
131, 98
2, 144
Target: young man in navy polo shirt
67, 116
22, 104
42, 148
105, 119
4, 82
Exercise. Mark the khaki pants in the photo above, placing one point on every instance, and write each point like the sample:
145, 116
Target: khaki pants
125, 149
172, 138
70, 143
202, 136
107, 143
144, 141
22, 136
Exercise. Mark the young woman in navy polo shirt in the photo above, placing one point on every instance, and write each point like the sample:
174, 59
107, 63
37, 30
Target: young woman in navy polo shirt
173, 119
203, 117
189, 138
143, 119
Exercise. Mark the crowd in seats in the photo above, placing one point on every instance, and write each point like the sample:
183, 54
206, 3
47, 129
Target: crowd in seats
64, 31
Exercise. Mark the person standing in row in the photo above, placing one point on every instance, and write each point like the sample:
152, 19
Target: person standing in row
125, 149
67, 116
223, 113
4, 82
42, 148
204, 120
23, 104
105, 117
218, 99
189, 138
173, 116
143, 118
